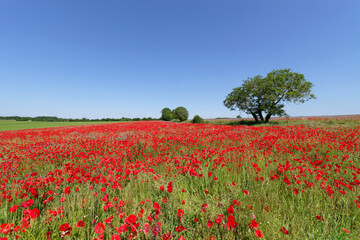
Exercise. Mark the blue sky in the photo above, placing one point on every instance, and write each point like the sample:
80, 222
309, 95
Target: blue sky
100, 59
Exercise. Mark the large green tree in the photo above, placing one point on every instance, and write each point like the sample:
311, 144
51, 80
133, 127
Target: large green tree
264, 97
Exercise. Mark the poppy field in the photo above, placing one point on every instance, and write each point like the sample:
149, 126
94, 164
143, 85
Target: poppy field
165, 180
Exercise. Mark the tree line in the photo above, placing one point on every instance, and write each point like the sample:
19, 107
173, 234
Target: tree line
56, 119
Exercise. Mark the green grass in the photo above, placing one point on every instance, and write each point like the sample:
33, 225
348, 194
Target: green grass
17, 125
310, 122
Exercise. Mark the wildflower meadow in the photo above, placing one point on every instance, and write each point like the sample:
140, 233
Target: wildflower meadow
165, 180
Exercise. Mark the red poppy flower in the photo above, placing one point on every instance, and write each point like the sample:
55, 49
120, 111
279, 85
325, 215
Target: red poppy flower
180, 228
253, 224
115, 237
146, 228
156, 206
34, 213
14, 208
131, 219
99, 228
210, 224
258, 234
105, 198
29, 202
80, 224
231, 224
284, 231
180, 213
64, 227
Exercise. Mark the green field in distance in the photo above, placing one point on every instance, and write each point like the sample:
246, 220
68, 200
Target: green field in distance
6, 125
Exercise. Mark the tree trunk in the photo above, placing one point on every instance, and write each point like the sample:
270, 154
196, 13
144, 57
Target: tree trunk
267, 118
261, 116
255, 117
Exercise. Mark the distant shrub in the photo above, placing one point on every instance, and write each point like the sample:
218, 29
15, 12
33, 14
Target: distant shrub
181, 113
197, 119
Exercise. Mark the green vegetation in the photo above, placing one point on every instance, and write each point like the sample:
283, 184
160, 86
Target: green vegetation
263, 98
197, 119
56, 119
308, 122
166, 114
17, 123
6, 125
179, 114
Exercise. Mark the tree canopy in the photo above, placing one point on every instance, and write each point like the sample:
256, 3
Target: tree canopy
264, 97
197, 119
166, 114
181, 113
178, 114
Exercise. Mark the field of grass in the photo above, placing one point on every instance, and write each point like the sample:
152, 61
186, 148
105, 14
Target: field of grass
165, 180
308, 122
18, 125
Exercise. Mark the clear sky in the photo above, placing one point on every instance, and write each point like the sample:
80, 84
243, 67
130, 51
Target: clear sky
132, 58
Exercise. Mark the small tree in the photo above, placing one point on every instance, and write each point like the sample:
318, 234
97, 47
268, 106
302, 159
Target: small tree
166, 114
197, 119
181, 113
265, 97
